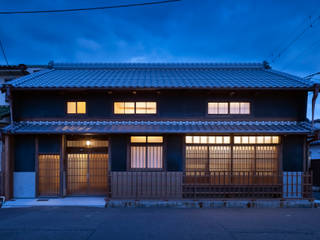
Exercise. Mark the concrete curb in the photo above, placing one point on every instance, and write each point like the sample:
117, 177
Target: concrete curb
213, 204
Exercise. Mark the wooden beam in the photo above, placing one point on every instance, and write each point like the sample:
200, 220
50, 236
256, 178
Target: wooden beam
63, 175
8, 187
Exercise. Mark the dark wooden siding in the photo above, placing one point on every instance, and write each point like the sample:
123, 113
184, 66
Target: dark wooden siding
118, 150
24, 153
49, 143
293, 152
174, 152
173, 104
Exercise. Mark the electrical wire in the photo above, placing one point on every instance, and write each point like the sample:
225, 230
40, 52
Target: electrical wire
87, 9
4, 53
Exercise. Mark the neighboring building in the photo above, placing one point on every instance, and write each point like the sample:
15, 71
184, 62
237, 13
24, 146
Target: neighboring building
157, 131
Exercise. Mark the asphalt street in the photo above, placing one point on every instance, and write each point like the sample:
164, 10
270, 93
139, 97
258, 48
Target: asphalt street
159, 223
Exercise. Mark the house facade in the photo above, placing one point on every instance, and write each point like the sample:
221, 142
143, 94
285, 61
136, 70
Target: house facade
157, 131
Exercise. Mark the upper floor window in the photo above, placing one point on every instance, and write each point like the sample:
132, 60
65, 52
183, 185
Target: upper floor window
228, 108
76, 108
135, 107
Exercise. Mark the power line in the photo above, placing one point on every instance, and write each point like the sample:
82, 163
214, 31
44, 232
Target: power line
88, 9
295, 39
306, 49
4, 53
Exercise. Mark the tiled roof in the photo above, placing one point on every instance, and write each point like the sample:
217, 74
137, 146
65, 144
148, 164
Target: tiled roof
271, 127
160, 76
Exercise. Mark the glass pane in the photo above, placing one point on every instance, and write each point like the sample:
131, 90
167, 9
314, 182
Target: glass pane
141, 107
226, 140
267, 159
155, 139
71, 108
138, 139
275, 139
196, 139
237, 140
188, 139
245, 108
234, 108
212, 139
252, 139
212, 108
260, 140
245, 140
119, 108
138, 157
203, 139
129, 107
267, 139
155, 157
151, 107
219, 140
223, 108
81, 107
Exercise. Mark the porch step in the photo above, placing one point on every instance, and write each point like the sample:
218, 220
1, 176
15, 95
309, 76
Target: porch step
57, 202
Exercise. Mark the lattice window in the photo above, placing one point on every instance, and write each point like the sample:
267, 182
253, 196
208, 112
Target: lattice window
146, 152
49, 174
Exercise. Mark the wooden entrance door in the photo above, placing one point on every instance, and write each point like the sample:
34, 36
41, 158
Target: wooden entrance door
49, 174
87, 173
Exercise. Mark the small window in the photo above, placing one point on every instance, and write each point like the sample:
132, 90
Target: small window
146, 152
228, 108
76, 108
135, 108
256, 139
207, 139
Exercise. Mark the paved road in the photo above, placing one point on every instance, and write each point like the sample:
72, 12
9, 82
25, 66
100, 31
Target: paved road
100, 223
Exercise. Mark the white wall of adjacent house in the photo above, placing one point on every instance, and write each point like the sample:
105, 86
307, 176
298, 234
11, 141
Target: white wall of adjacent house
2, 95
24, 184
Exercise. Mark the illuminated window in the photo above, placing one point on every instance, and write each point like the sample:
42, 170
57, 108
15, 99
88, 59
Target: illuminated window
76, 108
208, 139
135, 108
218, 108
256, 139
228, 108
146, 152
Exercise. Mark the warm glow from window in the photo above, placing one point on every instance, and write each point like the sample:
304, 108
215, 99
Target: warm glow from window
256, 139
135, 107
228, 108
208, 139
155, 139
138, 139
76, 108
72, 107
81, 107
144, 139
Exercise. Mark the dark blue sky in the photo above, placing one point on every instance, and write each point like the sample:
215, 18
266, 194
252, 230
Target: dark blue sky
187, 31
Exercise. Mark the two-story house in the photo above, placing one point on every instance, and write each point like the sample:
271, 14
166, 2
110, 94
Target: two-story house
156, 131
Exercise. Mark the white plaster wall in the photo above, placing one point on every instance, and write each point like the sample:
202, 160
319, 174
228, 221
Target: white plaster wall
24, 184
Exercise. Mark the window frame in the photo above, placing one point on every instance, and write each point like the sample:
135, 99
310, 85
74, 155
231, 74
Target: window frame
76, 114
232, 145
229, 114
146, 144
135, 113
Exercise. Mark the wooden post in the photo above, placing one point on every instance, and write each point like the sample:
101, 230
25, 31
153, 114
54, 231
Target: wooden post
8, 191
36, 155
63, 185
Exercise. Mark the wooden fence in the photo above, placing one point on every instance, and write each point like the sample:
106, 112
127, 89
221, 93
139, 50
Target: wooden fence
208, 185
